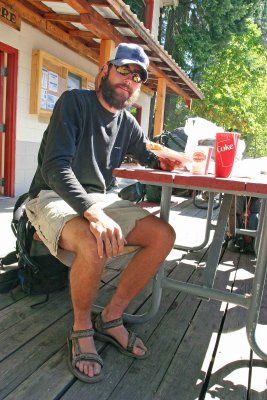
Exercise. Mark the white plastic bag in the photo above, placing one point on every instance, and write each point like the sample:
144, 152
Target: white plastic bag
199, 128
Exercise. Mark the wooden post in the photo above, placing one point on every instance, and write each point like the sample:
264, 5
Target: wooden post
188, 103
160, 105
106, 47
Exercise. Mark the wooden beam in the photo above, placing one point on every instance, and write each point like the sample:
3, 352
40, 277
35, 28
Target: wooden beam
136, 40
62, 17
106, 47
160, 106
37, 6
52, 30
160, 74
98, 25
98, 3
82, 34
93, 21
119, 23
91, 2
100, 28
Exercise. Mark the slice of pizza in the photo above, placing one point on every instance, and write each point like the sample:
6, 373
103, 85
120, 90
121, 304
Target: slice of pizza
164, 152
154, 146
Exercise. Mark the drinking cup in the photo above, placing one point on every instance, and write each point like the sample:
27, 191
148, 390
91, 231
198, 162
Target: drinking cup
225, 151
200, 159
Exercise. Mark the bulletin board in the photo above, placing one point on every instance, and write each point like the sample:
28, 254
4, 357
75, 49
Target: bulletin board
50, 77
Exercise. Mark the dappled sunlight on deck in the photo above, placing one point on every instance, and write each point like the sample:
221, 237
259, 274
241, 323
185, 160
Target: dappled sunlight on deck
199, 348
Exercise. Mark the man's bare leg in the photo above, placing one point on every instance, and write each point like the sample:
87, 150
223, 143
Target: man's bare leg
87, 269
156, 238
85, 276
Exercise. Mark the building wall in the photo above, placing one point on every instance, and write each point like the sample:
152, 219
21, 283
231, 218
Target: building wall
30, 128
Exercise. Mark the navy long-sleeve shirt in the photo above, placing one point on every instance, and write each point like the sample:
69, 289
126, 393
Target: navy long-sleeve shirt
81, 146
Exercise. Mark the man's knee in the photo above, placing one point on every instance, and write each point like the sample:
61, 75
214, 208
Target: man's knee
154, 231
77, 237
162, 236
165, 232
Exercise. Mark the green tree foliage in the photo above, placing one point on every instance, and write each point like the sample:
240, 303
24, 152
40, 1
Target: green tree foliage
137, 7
176, 113
261, 21
223, 52
234, 83
195, 29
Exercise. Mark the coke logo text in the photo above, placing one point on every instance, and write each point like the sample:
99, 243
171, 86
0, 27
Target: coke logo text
225, 147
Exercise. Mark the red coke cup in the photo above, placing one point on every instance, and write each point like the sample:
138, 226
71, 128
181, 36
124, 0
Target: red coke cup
226, 145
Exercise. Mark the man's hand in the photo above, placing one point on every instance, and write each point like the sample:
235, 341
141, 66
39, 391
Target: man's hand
107, 232
169, 165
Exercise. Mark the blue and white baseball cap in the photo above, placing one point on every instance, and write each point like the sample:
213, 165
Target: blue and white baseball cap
129, 53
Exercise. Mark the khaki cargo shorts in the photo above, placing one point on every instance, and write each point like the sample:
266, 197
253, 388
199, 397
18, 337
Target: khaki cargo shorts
48, 213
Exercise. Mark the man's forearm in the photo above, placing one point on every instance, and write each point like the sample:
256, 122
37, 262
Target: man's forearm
66, 185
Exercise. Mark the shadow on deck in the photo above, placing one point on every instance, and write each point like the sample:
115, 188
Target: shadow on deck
199, 348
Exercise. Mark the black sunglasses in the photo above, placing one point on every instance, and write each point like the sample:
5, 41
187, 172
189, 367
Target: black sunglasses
124, 70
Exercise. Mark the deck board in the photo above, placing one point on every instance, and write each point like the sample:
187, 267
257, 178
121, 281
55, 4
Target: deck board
192, 359
230, 370
199, 348
117, 378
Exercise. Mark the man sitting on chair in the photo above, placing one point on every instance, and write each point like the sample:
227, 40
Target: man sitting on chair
88, 136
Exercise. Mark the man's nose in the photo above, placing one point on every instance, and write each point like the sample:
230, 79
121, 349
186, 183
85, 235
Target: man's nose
128, 79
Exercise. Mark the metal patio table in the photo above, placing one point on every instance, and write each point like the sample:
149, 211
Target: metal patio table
230, 188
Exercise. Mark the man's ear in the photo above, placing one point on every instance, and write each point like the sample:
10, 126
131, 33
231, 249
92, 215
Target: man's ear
103, 71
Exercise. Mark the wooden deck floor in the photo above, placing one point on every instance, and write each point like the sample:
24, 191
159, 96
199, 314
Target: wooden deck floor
199, 348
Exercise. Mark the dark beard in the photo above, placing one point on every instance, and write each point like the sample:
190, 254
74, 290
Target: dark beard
112, 99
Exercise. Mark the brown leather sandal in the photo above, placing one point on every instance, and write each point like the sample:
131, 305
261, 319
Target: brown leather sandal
100, 326
79, 356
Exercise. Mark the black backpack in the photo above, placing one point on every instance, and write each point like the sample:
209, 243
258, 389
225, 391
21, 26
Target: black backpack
135, 192
175, 140
37, 272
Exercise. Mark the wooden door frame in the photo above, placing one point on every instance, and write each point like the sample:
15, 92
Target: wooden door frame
10, 118
2, 60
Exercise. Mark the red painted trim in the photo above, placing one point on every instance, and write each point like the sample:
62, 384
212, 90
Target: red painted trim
149, 14
7, 49
260, 186
208, 182
188, 180
1, 114
151, 175
188, 103
11, 115
138, 114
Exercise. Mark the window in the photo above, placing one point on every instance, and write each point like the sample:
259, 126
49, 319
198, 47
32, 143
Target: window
74, 81
50, 78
